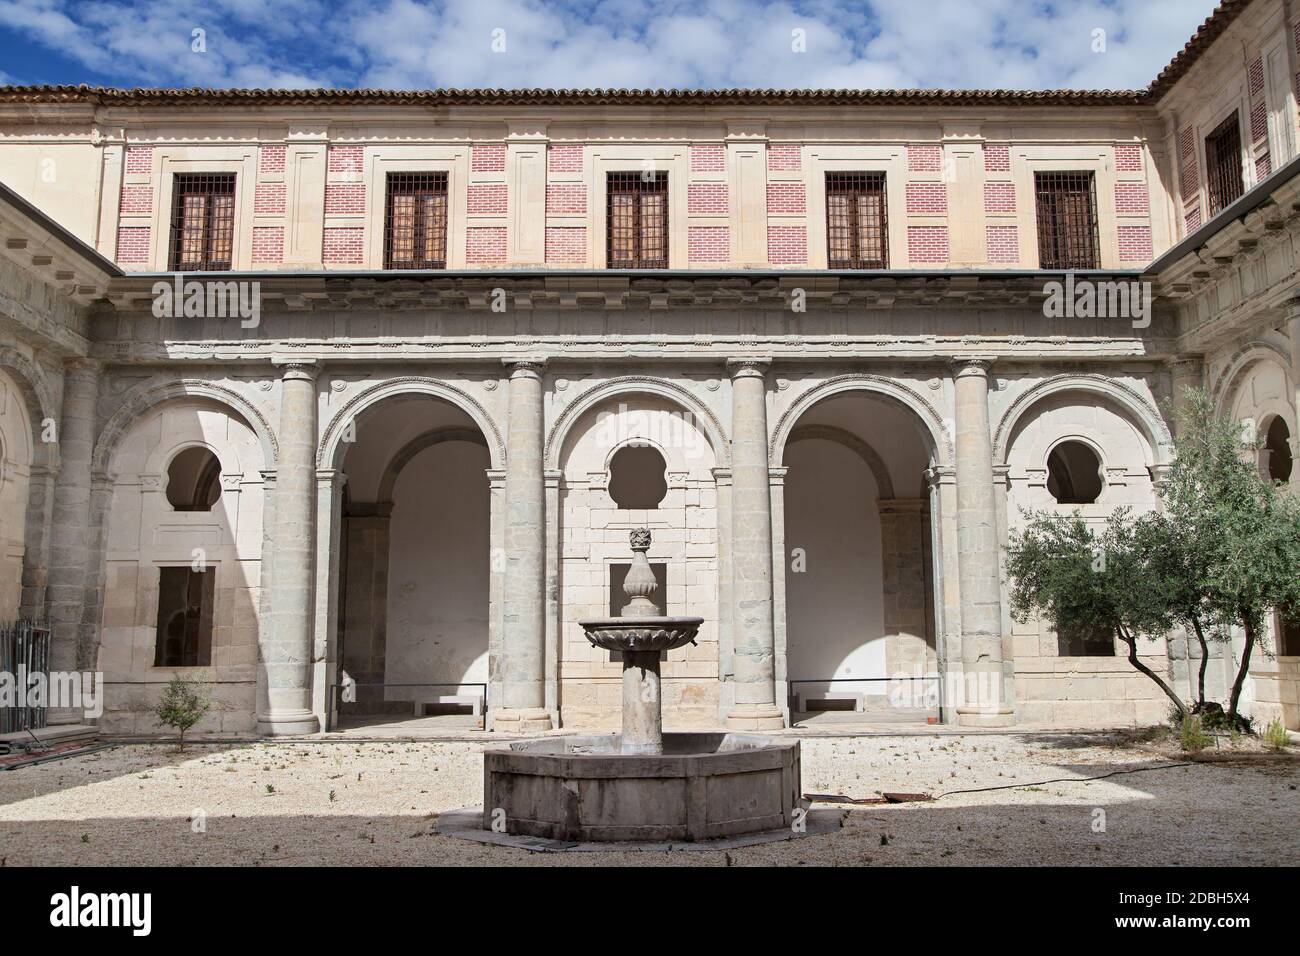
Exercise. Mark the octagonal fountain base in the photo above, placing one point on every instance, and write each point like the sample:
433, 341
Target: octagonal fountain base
702, 787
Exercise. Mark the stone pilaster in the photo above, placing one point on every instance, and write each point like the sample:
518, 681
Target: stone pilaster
1186, 372
70, 534
285, 701
523, 632
977, 552
754, 652
1293, 330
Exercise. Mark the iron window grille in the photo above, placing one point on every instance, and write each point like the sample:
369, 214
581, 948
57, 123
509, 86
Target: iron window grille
636, 221
415, 222
203, 222
856, 221
1223, 164
1067, 220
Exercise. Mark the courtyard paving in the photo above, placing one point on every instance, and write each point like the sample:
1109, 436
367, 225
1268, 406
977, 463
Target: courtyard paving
365, 803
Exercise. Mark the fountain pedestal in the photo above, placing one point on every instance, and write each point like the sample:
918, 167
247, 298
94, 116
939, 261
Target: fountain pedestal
641, 784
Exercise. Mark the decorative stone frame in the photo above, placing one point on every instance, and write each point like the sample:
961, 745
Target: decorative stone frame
432, 158
601, 159
887, 158
1076, 157
168, 161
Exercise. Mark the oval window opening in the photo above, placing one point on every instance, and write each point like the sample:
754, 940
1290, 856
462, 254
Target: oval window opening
194, 480
1074, 474
636, 478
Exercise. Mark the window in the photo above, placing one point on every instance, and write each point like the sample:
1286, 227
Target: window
636, 478
1067, 220
1096, 642
1288, 635
194, 480
637, 220
1276, 463
415, 223
1223, 164
1074, 474
203, 222
855, 221
184, 636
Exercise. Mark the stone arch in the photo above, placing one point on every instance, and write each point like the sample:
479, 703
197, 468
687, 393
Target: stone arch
931, 421
632, 385
327, 451
146, 397
30, 379
417, 445
1141, 411
884, 483
1224, 391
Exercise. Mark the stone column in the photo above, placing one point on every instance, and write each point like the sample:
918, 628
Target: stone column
1293, 330
754, 655
977, 552
285, 706
523, 634
70, 533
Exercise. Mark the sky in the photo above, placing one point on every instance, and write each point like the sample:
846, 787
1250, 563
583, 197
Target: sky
706, 44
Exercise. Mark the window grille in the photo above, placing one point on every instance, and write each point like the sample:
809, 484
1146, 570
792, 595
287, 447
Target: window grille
856, 222
1067, 220
415, 224
1223, 164
637, 221
203, 222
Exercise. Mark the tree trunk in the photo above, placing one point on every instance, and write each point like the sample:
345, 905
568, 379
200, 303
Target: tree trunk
1205, 662
1243, 668
1137, 663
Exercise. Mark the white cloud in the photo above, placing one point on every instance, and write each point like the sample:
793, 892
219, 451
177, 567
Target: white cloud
634, 43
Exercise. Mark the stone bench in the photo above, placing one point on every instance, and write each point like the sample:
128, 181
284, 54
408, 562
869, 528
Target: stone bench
801, 699
473, 700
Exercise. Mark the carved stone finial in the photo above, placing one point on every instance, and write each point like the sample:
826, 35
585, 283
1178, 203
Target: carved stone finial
640, 582
640, 539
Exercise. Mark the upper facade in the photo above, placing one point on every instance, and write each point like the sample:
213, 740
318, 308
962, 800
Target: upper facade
193, 180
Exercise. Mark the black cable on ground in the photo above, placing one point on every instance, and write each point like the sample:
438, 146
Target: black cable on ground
1040, 783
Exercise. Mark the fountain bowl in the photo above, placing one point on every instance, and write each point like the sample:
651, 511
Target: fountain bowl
636, 634
703, 786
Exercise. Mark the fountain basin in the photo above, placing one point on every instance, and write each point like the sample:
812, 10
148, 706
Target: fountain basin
637, 634
582, 788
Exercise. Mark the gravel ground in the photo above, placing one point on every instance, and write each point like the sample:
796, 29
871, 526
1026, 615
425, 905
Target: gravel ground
376, 803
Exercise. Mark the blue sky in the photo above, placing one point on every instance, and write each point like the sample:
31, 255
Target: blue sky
409, 44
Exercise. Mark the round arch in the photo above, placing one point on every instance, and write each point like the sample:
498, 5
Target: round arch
147, 397
1140, 411
1225, 389
927, 415
30, 379
416, 445
634, 385
884, 483
329, 449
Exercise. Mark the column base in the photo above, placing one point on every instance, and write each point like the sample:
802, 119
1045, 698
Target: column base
747, 717
287, 723
985, 717
524, 720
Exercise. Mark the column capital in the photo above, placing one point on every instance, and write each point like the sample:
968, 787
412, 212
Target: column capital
525, 368
1293, 309
748, 367
82, 363
1185, 364
969, 365
297, 369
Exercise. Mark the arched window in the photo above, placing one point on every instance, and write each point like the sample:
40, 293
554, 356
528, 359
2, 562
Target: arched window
636, 478
1276, 458
1074, 474
194, 480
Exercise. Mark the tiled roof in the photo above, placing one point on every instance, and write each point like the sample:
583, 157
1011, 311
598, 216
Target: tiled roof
1209, 31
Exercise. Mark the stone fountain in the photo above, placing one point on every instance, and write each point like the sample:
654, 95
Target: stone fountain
641, 784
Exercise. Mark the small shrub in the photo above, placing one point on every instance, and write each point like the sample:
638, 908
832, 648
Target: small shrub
183, 704
1275, 737
1192, 736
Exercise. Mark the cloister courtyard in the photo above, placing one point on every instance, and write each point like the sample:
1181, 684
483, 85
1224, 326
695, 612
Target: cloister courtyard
998, 799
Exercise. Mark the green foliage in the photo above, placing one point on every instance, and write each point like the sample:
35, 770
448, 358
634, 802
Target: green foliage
1274, 735
1191, 736
182, 705
1223, 551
